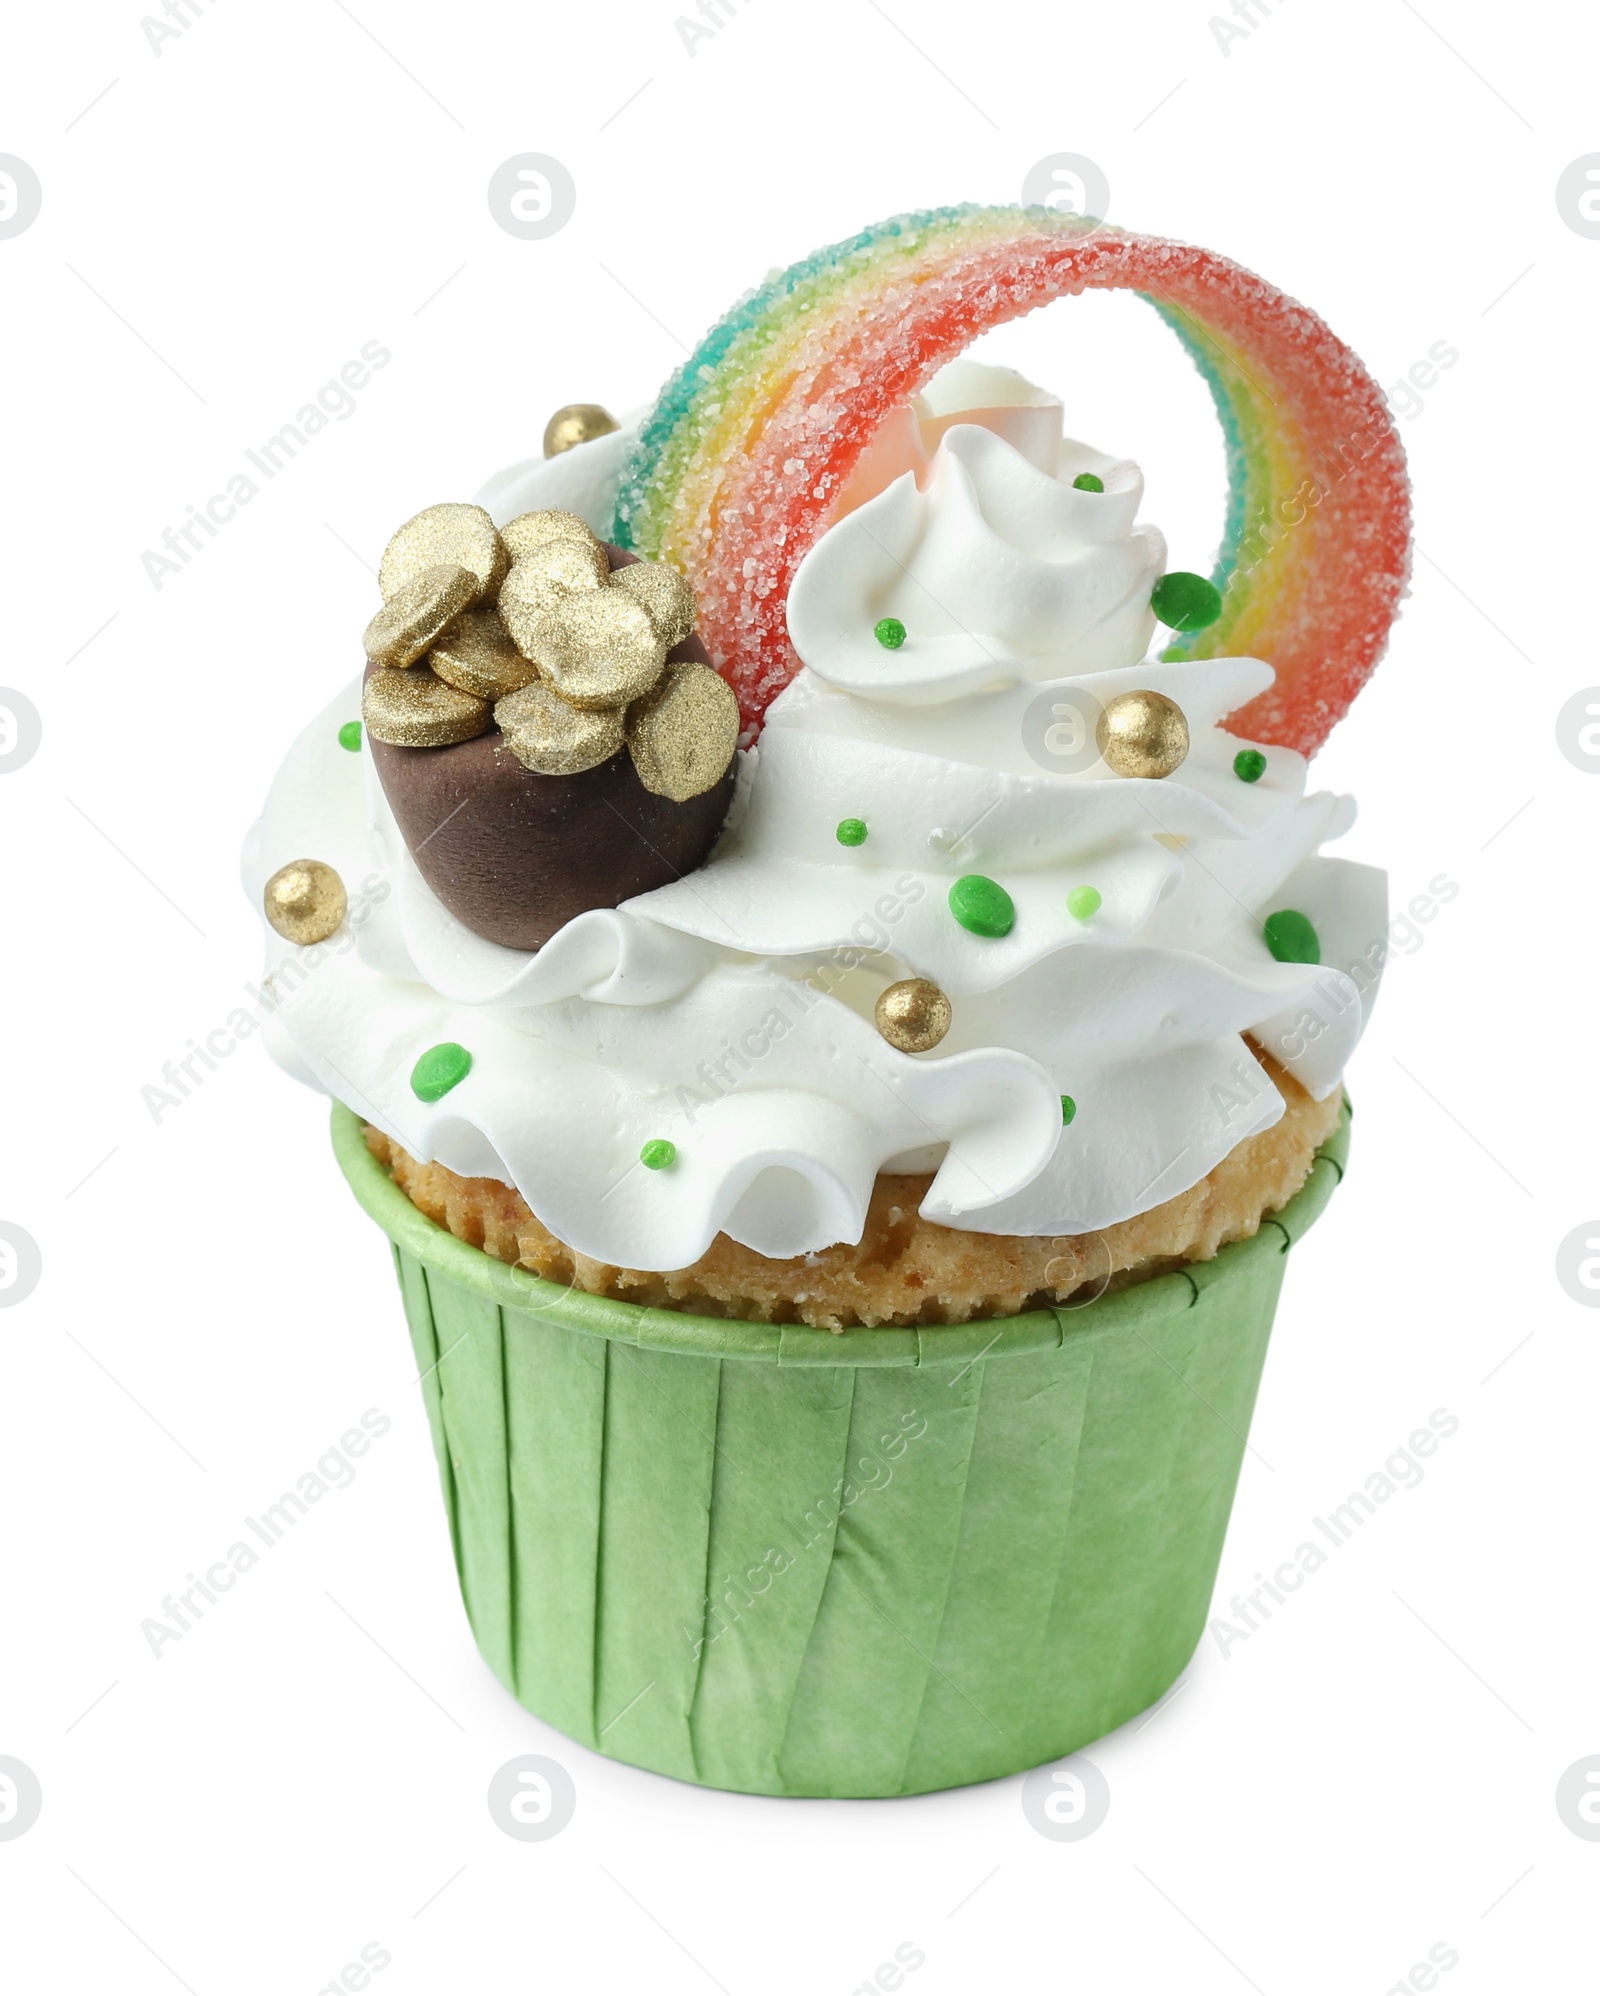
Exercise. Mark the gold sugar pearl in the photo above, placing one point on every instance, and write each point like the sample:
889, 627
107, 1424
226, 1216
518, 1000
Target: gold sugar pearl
682, 737
913, 1015
410, 620
304, 901
530, 531
1142, 734
476, 656
664, 593
576, 423
543, 580
547, 735
597, 650
451, 536
416, 709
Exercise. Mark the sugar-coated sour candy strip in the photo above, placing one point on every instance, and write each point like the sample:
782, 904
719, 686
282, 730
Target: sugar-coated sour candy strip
740, 462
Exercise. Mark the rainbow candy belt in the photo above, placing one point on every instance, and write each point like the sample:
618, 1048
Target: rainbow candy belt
752, 440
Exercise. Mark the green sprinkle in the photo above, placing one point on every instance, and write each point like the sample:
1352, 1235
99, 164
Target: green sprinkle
658, 1154
438, 1071
851, 832
1083, 902
982, 905
1172, 654
1186, 602
1069, 1109
1087, 482
1249, 765
350, 736
890, 633
1291, 938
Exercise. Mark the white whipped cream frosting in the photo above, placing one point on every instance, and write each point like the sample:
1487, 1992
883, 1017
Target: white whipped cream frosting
731, 1012
999, 568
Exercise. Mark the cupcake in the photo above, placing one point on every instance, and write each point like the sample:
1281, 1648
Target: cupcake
820, 944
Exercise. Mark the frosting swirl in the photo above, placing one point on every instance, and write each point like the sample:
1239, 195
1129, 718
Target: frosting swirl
997, 564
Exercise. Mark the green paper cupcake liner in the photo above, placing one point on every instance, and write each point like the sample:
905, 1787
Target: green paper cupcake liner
789, 1562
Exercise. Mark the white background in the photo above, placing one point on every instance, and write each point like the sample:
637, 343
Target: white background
226, 223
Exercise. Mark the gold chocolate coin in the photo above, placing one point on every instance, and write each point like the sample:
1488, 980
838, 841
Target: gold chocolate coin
683, 736
664, 593
547, 735
452, 536
411, 619
599, 649
416, 709
304, 901
576, 423
528, 531
476, 656
544, 580
913, 1015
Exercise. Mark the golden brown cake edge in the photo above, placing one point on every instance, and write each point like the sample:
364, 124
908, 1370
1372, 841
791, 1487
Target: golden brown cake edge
904, 1270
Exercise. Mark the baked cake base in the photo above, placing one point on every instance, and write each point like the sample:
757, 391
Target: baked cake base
904, 1269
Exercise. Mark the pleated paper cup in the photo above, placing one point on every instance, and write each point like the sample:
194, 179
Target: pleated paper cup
790, 1562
